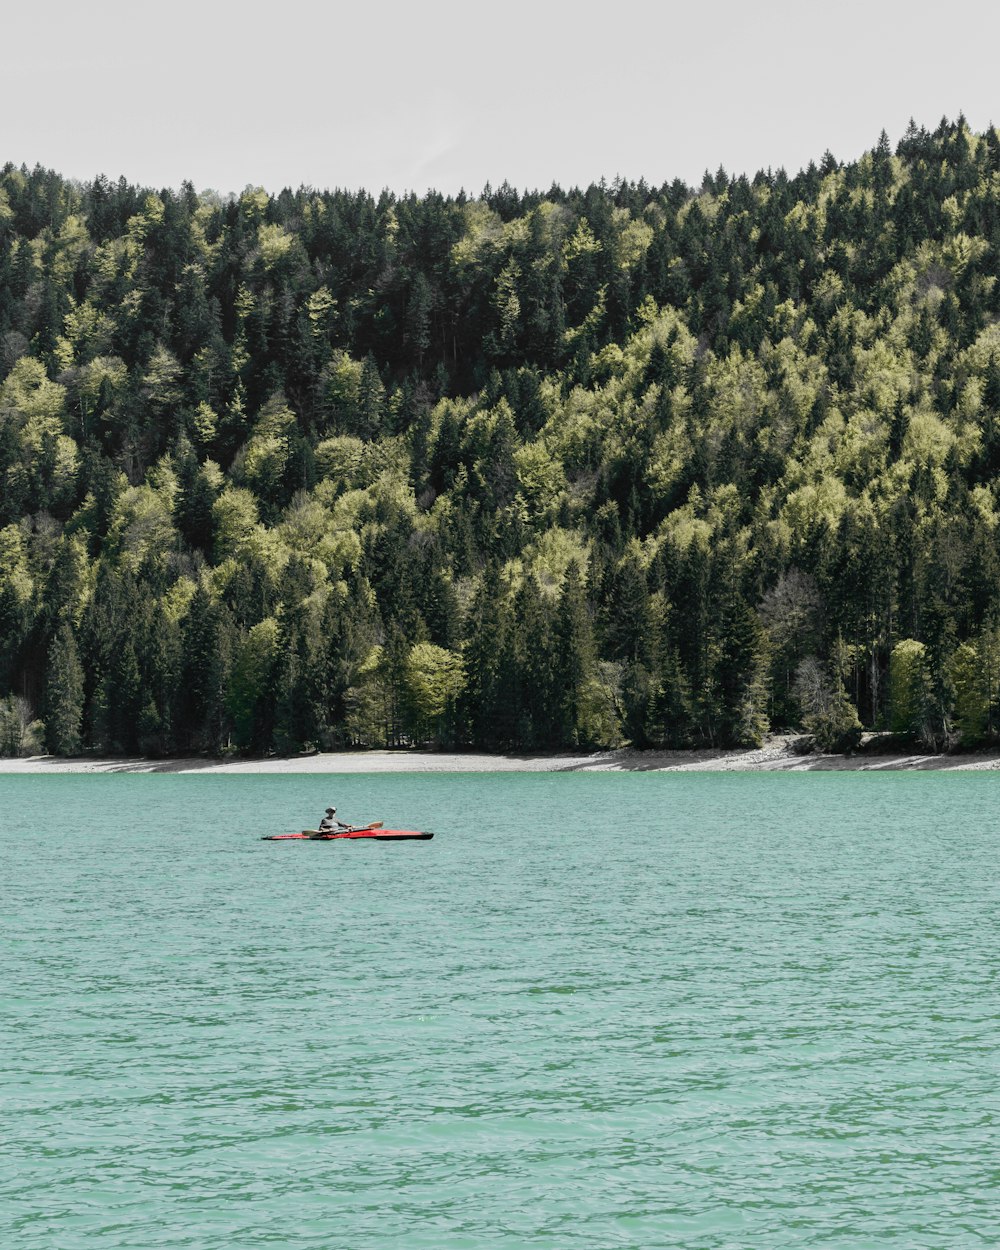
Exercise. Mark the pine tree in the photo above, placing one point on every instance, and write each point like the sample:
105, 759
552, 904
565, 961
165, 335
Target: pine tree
629, 631
534, 695
64, 694
488, 708
371, 400
740, 675
575, 659
126, 698
203, 721
295, 727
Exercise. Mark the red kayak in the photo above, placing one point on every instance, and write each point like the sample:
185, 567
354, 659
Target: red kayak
379, 835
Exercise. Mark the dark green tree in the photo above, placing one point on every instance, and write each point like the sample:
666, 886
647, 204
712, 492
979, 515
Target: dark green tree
64, 694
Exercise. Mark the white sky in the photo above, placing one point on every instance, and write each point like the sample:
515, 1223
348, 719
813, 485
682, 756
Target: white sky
452, 93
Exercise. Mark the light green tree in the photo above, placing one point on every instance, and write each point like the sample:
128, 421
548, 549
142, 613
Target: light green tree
974, 669
971, 695
234, 515
377, 703
435, 678
250, 679
910, 691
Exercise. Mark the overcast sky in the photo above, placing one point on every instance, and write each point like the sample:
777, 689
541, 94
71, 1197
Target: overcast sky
455, 93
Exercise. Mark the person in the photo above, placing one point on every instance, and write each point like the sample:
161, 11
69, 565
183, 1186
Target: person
330, 823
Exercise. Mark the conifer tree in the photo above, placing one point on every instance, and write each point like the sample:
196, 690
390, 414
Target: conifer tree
533, 696
740, 673
575, 660
487, 704
206, 651
64, 694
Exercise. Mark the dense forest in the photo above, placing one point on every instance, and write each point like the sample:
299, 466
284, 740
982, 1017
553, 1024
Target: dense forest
656, 465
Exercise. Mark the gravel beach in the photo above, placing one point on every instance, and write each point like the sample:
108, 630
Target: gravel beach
778, 754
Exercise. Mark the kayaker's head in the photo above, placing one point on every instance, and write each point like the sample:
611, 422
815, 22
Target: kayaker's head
330, 811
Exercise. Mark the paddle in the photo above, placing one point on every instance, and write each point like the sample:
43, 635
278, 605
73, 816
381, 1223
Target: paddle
317, 834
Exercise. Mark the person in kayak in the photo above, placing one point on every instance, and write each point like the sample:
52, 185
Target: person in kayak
330, 823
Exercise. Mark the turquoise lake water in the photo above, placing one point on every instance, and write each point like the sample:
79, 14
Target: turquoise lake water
629, 1010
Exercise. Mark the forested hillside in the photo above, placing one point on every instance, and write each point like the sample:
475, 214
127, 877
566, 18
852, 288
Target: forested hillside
645, 464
